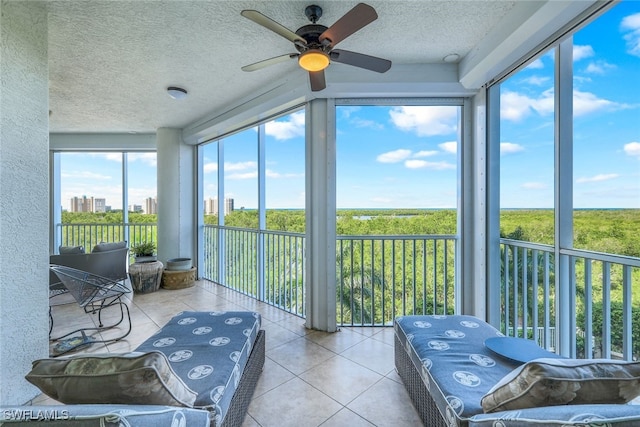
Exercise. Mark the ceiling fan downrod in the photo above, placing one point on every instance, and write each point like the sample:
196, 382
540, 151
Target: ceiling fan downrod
313, 12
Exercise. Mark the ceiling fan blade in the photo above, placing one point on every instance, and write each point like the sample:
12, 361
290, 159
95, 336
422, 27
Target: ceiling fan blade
272, 25
317, 80
361, 60
267, 62
358, 17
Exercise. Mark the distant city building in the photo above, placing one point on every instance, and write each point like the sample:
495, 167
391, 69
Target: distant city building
151, 205
99, 205
135, 208
211, 206
87, 204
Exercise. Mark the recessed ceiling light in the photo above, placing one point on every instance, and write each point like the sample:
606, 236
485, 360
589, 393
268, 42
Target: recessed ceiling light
452, 57
176, 92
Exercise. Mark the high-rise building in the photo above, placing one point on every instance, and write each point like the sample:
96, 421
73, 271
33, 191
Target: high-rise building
211, 206
151, 205
87, 204
228, 206
99, 205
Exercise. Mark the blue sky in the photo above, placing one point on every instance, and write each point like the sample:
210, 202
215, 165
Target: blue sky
405, 157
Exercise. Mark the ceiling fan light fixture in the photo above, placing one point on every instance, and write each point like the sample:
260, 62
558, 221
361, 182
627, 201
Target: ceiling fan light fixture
176, 92
314, 60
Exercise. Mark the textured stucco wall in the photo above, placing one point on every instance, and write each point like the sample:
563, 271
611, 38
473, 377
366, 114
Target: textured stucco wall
24, 217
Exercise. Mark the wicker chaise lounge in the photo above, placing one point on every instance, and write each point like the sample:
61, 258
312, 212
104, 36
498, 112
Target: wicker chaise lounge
200, 369
454, 380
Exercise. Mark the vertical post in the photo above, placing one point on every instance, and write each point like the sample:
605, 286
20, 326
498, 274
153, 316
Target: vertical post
492, 208
200, 211
320, 159
125, 196
55, 203
221, 231
176, 198
262, 215
563, 202
472, 286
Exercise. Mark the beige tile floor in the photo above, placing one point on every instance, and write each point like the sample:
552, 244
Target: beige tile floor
310, 378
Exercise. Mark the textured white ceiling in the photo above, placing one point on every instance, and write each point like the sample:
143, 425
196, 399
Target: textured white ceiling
110, 62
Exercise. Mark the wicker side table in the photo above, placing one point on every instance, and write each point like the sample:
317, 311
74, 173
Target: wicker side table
145, 276
178, 279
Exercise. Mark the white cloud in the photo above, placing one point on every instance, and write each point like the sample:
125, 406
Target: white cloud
537, 80
425, 120
148, 158
516, 106
449, 147
599, 67
535, 65
394, 156
210, 167
582, 51
290, 127
586, 103
423, 164
598, 178
510, 147
371, 124
632, 149
83, 175
425, 153
245, 175
114, 157
238, 166
631, 25
534, 186
273, 174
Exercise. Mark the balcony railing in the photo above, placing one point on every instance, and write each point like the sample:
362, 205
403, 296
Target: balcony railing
604, 319
381, 277
89, 235
378, 277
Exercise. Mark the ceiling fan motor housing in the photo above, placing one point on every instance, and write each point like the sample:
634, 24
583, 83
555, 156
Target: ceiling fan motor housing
311, 33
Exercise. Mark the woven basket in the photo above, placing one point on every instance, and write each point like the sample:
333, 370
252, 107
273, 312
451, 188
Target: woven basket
178, 279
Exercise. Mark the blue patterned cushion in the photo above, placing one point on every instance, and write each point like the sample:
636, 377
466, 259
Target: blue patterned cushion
450, 352
458, 369
563, 416
208, 351
103, 415
545, 382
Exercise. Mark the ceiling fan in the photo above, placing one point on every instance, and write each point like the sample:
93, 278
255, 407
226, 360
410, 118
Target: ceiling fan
315, 43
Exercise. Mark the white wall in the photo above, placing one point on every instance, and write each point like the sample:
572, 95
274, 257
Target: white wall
24, 215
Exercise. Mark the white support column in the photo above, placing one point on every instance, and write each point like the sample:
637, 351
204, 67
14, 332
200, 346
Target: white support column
262, 209
473, 241
24, 189
565, 303
55, 203
320, 243
176, 194
494, 311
